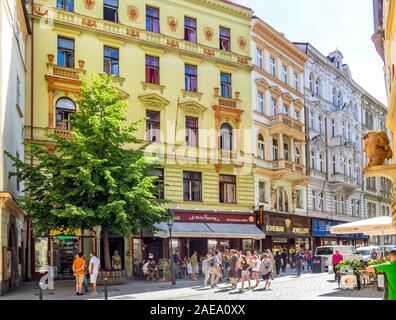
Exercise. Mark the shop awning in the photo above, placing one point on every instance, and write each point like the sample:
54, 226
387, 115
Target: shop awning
183, 230
242, 231
209, 230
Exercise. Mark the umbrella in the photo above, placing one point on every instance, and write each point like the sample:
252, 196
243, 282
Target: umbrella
378, 226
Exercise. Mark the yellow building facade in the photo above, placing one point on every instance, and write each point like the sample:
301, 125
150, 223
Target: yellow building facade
185, 66
384, 39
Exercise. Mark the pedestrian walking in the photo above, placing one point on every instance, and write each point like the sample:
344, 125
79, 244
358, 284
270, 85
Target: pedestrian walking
234, 267
299, 261
94, 265
215, 269
116, 261
245, 267
308, 258
256, 270
194, 266
79, 270
278, 263
284, 260
206, 268
176, 262
226, 262
266, 270
336, 258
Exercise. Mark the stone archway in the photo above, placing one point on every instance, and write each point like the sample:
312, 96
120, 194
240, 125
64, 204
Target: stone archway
12, 250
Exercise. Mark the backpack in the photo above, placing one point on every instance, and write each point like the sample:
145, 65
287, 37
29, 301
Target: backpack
212, 261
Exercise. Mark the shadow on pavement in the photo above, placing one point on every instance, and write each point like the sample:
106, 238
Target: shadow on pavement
363, 293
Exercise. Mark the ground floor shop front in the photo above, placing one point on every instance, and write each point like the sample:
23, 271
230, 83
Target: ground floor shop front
286, 231
202, 232
322, 236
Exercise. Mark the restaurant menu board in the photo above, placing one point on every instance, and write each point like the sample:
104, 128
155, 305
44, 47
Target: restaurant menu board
348, 281
40, 252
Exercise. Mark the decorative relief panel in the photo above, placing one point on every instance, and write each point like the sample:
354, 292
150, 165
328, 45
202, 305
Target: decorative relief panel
172, 24
133, 13
89, 4
208, 33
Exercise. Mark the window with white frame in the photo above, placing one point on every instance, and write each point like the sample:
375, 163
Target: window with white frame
343, 129
272, 66
311, 82
286, 109
350, 167
299, 199
317, 87
259, 58
321, 201
297, 156
345, 166
286, 151
295, 80
335, 204
349, 132
263, 192
275, 149
284, 73
273, 106
260, 102
313, 160
334, 95
342, 205
312, 119
261, 147
18, 91
333, 128
297, 114
313, 199
339, 99
320, 122
321, 163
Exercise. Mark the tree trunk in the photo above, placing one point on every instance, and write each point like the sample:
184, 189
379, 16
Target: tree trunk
106, 248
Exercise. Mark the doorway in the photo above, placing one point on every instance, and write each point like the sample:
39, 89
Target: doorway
12, 257
116, 243
200, 245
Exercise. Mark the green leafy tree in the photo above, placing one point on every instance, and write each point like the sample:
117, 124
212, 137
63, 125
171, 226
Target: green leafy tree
97, 177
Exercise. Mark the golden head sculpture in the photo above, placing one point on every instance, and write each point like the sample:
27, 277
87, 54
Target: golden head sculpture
376, 147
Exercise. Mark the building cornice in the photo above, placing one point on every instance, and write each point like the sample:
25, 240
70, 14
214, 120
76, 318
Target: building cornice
265, 31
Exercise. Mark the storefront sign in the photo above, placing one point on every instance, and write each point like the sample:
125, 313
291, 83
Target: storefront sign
285, 224
321, 228
65, 232
214, 218
260, 216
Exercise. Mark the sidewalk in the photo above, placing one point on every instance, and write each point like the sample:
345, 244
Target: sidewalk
65, 289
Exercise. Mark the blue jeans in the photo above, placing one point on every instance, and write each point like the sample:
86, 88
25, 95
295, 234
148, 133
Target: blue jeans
309, 265
85, 284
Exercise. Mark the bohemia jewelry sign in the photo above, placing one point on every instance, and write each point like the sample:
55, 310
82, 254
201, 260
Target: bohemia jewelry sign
282, 224
214, 218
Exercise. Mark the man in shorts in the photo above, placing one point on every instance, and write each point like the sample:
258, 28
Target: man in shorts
94, 264
266, 270
78, 270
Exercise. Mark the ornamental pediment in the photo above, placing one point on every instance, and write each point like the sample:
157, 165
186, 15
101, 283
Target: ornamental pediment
153, 100
192, 107
286, 97
275, 91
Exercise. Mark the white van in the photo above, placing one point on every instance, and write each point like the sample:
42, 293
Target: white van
348, 252
366, 252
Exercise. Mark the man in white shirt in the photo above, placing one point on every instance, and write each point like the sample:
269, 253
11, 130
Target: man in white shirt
94, 264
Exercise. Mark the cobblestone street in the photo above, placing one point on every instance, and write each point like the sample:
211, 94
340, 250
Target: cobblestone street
307, 287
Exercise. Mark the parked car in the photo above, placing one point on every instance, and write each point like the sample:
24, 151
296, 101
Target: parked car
348, 252
366, 252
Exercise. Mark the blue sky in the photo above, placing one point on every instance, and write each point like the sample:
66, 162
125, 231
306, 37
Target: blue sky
327, 25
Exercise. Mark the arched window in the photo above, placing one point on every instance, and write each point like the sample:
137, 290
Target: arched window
297, 156
261, 147
334, 96
226, 137
282, 200
64, 108
311, 82
317, 87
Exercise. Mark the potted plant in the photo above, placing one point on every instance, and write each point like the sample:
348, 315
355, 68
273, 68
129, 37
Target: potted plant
165, 265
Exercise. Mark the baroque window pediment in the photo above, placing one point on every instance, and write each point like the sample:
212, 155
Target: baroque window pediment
192, 107
153, 100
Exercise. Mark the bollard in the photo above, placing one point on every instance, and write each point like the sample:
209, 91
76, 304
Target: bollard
105, 289
40, 293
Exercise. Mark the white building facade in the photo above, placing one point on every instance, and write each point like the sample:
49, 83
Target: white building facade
334, 145
14, 37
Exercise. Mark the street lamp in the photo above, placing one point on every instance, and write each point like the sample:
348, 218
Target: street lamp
170, 225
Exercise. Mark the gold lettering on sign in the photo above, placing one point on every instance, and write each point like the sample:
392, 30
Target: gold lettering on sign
300, 230
274, 228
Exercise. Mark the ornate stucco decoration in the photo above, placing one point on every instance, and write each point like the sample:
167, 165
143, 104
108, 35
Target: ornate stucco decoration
132, 33
89, 4
89, 22
242, 43
172, 42
172, 24
40, 11
133, 13
376, 147
209, 52
208, 31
